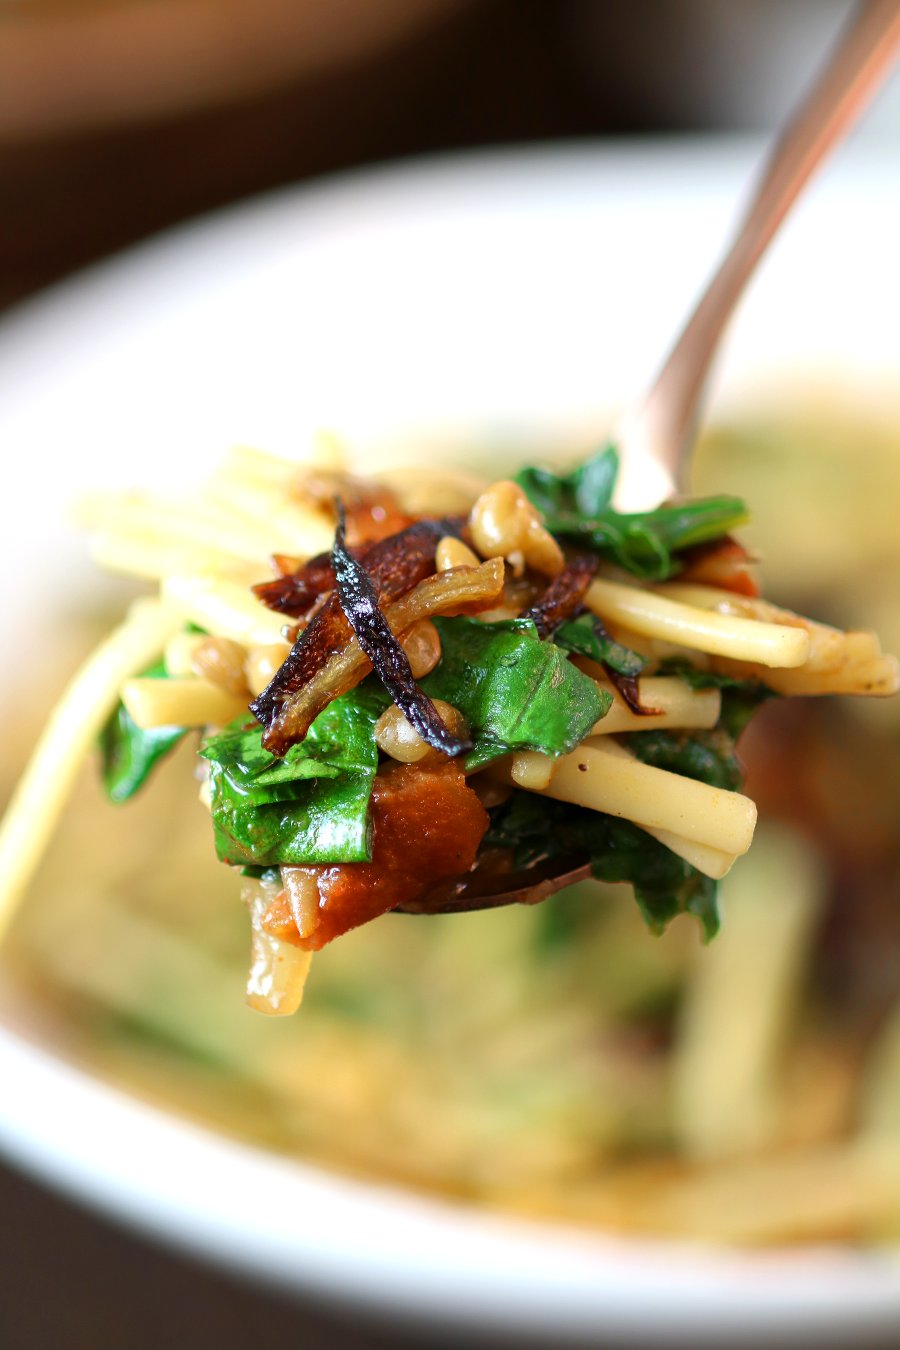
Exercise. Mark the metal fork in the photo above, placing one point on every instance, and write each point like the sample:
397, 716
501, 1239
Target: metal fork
656, 439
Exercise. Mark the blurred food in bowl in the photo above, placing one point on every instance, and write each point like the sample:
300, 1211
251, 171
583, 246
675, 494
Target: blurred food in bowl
558, 1060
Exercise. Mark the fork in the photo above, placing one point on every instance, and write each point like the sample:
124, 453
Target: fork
656, 439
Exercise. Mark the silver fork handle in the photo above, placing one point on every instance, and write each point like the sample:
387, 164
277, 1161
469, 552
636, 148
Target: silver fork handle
655, 439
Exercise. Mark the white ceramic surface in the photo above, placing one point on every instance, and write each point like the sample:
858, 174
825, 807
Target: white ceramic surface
510, 300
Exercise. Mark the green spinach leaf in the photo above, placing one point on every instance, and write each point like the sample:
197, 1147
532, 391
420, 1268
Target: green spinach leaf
586, 636
664, 885
740, 698
577, 506
706, 755
128, 754
324, 821
515, 691
310, 807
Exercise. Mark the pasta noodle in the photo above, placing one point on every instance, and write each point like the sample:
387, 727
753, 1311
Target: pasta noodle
151, 560
725, 1103
203, 551
673, 702
180, 702
278, 971
835, 663
180, 652
656, 616
532, 770
536, 772
68, 738
224, 608
195, 525
712, 862
831, 1190
554, 1063
605, 777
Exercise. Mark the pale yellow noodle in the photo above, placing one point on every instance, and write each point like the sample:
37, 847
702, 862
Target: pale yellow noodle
833, 1190
278, 970
152, 557
291, 524
182, 701
195, 524
741, 1000
675, 705
178, 657
68, 737
643, 611
532, 770
223, 608
603, 778
708, 824
712, 862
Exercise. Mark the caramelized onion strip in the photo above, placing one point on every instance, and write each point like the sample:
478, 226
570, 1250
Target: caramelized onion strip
359, 601
295, 593
562, 598
395, 566
464, 590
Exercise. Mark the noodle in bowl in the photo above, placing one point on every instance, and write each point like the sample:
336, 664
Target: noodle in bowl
548, 1267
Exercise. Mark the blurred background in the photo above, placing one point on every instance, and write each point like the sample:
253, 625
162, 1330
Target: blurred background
119, 118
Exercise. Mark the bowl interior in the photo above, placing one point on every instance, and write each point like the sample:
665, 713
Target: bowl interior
481, 310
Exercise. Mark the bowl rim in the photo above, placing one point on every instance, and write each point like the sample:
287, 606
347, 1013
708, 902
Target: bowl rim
469, 1268
466, 1267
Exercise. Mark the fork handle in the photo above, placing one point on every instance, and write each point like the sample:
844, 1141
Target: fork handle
655, 440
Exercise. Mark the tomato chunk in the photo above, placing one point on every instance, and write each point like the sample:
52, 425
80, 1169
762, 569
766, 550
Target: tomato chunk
426, 825
724, 563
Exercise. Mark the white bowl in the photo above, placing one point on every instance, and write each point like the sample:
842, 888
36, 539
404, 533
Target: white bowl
515, 300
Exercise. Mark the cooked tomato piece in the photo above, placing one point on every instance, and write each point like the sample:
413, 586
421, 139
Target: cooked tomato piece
724, 563
427, 824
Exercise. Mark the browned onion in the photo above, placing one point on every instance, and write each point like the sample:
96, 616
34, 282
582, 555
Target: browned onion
463, 590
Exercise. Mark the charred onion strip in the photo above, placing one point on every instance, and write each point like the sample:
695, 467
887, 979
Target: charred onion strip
373, 511
375, 517
626, 685
562, 598
561, 601
463, 590
395, 566
359, 601
298, 586
326, 635
283, 564
294, 594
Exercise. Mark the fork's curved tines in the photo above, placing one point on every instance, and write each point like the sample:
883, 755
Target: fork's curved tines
487, 889
655, 439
